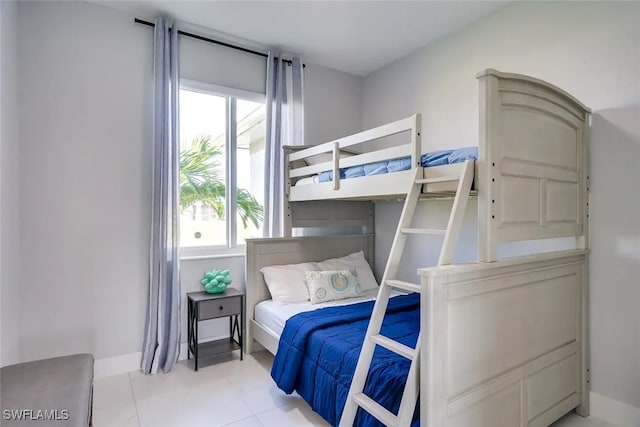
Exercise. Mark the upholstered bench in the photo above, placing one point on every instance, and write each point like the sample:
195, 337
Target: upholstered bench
56, 392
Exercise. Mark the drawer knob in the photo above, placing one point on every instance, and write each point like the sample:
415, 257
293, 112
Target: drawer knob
221, 308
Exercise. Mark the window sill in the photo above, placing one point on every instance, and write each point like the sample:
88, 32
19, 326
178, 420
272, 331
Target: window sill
212, 256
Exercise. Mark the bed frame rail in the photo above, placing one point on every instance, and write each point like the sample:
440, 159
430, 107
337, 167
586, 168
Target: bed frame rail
505, 343
322, 217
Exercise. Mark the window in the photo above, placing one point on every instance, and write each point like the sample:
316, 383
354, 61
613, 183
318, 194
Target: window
221, 168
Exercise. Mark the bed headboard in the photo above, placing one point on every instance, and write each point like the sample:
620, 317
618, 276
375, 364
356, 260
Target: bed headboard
294, 250
533, 162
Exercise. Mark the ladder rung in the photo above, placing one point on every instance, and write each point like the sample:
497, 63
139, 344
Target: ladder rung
375, 409
394, 346
434, 180
406, 286
423, 231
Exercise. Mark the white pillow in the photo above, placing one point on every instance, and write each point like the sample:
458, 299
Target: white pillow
286, 282
355, 260
332, 285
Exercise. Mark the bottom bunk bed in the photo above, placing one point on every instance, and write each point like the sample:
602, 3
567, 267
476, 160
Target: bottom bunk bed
318, 352
503, 344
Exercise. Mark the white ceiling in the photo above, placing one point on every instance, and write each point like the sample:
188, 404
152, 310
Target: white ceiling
353, 36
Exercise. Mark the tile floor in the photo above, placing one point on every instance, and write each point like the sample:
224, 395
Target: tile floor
226, 393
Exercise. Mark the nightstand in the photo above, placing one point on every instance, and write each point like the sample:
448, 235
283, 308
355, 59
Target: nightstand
203, 306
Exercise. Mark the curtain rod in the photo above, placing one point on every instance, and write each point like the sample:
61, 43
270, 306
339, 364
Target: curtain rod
218, 42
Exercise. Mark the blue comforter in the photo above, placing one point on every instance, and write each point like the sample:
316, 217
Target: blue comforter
436, 158
319, 350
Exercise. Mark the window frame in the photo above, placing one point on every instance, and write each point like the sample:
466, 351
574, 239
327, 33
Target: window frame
232, 248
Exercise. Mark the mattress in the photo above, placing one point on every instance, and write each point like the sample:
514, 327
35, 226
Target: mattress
436, 158
273, 316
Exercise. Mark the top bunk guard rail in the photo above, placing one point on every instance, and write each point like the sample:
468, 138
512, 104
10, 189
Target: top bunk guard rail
411, 123
337, 147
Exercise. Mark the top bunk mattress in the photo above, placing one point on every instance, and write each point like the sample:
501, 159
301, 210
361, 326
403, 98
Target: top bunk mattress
436, 158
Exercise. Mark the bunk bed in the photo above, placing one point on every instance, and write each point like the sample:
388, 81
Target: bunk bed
504, 342
333, 171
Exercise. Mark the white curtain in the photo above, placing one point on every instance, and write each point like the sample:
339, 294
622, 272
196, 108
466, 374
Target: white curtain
162, 331
285, 126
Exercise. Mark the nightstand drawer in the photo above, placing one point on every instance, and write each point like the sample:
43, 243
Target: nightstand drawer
219, 307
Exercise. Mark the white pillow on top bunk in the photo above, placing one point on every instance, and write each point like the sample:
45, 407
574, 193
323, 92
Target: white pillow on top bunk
332, 285
355, 260
286, 282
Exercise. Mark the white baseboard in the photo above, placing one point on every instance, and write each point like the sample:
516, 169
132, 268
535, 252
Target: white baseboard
183, 351
613, 411
117, 365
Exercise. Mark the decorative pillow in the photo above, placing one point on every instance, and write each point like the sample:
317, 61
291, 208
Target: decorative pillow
332, 285
355, 260
286, 283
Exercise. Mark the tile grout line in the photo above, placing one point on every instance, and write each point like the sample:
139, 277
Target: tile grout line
245, 418
133, 395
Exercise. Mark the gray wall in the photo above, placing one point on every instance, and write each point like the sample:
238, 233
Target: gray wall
85, 115
331, 104
9, 193
615, 259
589, 49
85, 125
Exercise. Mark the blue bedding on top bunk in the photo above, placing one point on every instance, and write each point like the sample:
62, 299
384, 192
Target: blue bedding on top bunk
436, 158
319, 349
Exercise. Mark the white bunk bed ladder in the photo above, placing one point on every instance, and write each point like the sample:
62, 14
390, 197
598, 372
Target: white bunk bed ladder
357, 397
